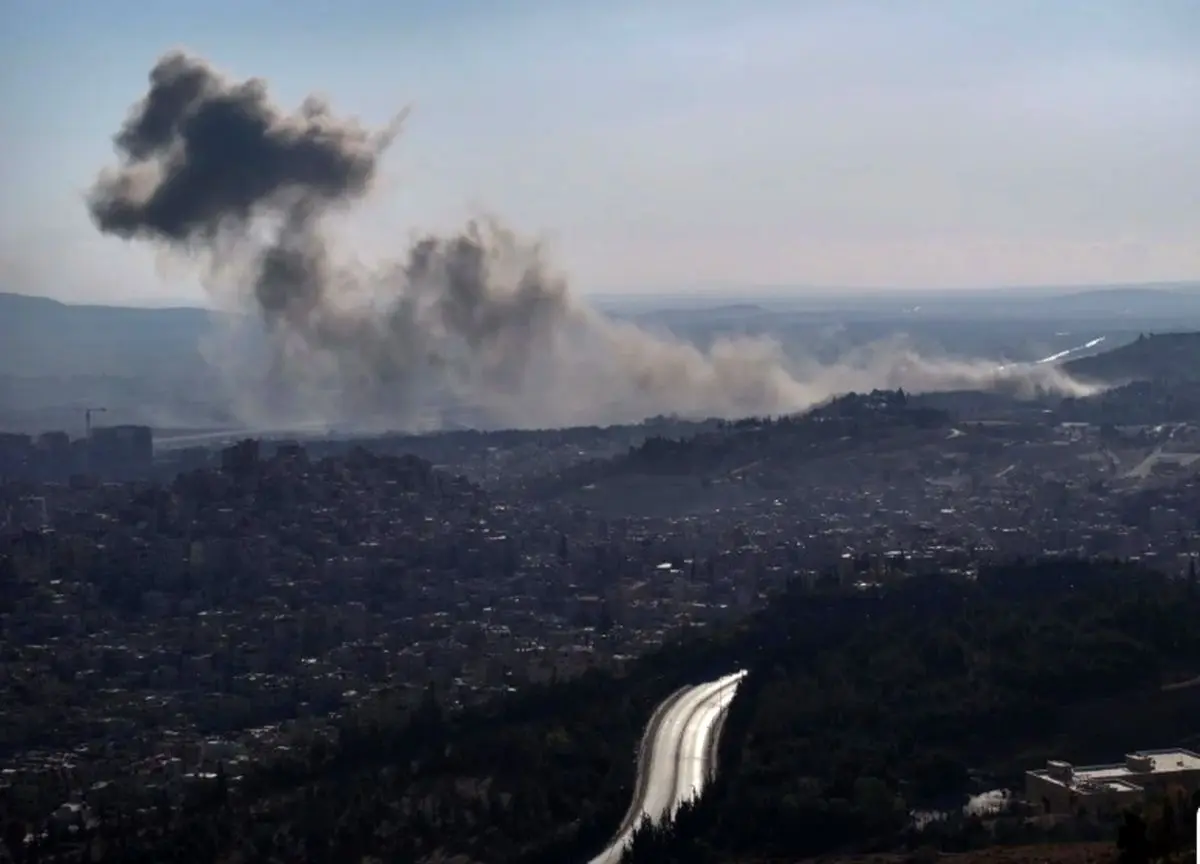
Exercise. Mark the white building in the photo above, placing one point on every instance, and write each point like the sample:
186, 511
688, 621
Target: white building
1064, 788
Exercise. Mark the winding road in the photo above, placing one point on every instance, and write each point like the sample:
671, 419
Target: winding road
678, 756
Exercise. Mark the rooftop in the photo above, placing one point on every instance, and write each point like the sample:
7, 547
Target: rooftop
1122, 775
1165, 762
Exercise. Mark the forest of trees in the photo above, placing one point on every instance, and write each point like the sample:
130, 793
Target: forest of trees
849, 719
858, 707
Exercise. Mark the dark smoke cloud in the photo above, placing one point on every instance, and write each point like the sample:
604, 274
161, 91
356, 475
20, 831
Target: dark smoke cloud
201, 154
212, 168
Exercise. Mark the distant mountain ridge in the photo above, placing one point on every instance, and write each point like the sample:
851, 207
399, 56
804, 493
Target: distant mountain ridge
41, 337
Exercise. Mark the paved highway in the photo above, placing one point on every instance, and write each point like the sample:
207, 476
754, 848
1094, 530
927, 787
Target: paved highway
678, 756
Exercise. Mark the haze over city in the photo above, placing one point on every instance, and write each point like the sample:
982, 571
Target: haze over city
660, 147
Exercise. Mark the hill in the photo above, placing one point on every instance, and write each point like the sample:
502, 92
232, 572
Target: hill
1041, 853
143, 365
840, 729
1157, 357
40, 337
1124, 300
741, 460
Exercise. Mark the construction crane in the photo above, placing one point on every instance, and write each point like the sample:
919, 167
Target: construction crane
87, 419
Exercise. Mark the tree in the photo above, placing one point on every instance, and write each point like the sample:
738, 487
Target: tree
14, 839
877, 804
1132, 843
1164, 833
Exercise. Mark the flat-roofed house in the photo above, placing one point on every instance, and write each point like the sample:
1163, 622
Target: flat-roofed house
1061, 787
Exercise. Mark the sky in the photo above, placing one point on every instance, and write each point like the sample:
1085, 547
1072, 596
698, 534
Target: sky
660, 146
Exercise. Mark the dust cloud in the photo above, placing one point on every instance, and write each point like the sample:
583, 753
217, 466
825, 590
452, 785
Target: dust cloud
211, 169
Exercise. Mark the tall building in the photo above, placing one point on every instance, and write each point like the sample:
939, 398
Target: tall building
16, 454
121, 452
241, 458
54, 459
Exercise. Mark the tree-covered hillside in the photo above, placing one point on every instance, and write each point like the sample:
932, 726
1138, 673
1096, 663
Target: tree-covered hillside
864, 706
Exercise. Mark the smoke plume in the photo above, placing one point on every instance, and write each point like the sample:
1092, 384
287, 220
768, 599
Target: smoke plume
212, 168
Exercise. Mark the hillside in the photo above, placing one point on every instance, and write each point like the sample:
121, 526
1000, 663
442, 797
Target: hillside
743, 459
1157, 357
1137, 403
1123, 300
1041, 853
40, 337
840, 729
143, 365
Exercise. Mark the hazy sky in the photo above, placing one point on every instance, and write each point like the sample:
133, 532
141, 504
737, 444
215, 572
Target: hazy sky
665, 144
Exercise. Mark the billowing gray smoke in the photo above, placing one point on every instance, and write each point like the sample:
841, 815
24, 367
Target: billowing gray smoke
211, 168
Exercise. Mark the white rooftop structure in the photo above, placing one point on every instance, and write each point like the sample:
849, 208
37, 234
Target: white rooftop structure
1137, 769
1061, 787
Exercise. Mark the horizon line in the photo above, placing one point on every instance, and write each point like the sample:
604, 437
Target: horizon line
722, 290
